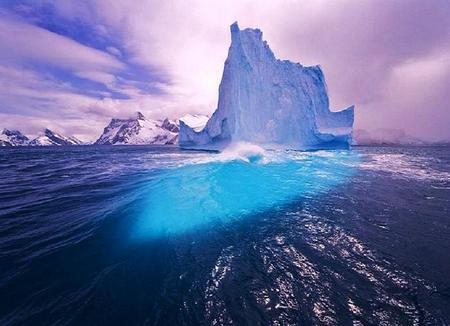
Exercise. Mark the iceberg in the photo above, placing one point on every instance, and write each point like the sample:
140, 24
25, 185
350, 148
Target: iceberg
210, 190
274, 103
195, 121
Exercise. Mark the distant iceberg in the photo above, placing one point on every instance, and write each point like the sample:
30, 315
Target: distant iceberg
273, 103
195, 121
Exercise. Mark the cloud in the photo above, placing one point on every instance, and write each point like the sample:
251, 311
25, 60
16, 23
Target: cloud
414, 97
390, 58
32, 101
114, 51
25, 42
98, 76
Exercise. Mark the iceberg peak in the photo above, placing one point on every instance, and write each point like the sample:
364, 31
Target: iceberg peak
269, 102
234, 28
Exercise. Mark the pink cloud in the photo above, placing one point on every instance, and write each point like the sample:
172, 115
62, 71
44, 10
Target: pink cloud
385, 57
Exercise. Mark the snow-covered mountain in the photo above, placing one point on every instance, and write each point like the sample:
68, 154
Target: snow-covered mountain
271, 102
139, 131
134, 131
13, 138
51, 138
170, 125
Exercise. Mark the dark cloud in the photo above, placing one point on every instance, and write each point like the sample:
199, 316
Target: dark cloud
363, 45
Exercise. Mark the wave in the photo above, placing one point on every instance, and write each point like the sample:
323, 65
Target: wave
243, 151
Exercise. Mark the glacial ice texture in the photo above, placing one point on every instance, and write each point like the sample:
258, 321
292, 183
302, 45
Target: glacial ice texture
270, 102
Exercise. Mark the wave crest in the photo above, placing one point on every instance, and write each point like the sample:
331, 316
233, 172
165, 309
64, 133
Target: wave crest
242, 151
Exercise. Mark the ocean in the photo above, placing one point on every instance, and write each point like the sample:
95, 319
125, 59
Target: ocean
154, 235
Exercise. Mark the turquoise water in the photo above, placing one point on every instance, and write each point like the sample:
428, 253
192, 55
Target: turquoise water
202, 191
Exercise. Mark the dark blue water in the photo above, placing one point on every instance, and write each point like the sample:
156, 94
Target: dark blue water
158, 236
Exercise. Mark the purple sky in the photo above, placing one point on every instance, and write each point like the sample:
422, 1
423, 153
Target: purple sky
72, 65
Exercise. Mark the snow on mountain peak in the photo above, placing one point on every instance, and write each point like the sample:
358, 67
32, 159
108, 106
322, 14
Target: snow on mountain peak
170, 125
139, 131
13, 138
140, 116
51, 138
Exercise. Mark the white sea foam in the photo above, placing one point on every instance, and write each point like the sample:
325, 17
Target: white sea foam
403, 166
239, 151
242, 151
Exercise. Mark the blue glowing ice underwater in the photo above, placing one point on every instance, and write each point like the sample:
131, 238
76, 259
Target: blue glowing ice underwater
237, 183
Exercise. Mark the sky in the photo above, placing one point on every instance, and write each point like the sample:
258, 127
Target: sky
72, 65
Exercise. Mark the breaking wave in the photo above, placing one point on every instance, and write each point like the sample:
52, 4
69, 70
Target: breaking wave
243, 151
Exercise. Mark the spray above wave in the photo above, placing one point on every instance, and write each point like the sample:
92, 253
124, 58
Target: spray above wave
243, 151
238, 151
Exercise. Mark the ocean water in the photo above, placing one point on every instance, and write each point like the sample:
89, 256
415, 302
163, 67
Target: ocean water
146, 235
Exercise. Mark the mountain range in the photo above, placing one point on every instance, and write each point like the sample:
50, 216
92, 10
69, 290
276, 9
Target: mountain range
13, 138
47, 138
137, 130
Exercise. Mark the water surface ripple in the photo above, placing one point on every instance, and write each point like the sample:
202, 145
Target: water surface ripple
150, 235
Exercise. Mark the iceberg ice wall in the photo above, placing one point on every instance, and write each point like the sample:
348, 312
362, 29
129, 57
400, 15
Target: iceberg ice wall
275, 103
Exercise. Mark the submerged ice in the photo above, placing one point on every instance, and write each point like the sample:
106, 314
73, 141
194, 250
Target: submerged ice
243, 180
274, 103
